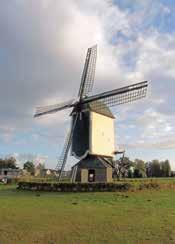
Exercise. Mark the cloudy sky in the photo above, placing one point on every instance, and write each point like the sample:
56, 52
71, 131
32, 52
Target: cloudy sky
43, 44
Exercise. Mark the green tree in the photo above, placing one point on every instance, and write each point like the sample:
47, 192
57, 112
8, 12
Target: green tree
148, 166
2, 163
11, 162
122, 167
155, 168
30, 167
140, 169
8, 163
130, 173
165, 168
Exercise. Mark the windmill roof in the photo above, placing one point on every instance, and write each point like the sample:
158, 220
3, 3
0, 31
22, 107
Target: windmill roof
97, 107
94, 162
104, 109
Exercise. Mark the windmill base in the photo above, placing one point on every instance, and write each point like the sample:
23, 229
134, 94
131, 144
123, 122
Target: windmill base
93, 169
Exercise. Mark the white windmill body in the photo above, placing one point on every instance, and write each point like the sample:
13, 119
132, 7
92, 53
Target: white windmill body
94, 133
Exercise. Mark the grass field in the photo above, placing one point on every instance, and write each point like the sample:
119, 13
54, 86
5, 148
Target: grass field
132, 217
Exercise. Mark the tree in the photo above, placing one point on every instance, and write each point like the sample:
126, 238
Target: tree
11, 162
165, 168
131, 172
140, 169
155, 169
30, 167
40, 169
148, 169
8, 163
122, 167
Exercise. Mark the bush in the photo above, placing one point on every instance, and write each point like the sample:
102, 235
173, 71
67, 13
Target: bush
73, 187
149, 185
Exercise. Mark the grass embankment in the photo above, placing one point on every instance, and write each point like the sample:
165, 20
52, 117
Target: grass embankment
146, 216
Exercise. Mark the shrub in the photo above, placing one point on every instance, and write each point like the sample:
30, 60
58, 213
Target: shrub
73, 187
149, 185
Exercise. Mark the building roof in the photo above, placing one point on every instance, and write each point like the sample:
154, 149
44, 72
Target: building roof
97, 107
10, 169
92, 161
104, 110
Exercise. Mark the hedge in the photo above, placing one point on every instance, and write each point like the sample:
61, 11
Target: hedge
74, 187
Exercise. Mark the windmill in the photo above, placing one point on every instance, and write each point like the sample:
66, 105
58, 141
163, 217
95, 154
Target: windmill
92, 129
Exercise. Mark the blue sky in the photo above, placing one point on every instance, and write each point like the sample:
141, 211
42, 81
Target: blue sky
42, 50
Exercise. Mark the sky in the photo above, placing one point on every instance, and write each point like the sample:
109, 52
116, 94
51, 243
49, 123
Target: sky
43, 45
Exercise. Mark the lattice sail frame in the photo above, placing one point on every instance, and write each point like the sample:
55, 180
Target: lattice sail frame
87, 79
118, 99
53, 108
64, 155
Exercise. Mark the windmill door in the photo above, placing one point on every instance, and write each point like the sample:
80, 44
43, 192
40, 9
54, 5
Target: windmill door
91, 175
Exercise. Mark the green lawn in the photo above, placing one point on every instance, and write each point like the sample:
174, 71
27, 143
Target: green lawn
132, 217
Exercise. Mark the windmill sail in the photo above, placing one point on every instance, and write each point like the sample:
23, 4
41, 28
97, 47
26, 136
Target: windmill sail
63, 158
53, 108
118, 96
88, 75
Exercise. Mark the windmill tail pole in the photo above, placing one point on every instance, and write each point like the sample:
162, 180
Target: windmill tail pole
74, 173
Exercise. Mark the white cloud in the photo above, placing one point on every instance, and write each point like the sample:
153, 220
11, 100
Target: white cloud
43, 47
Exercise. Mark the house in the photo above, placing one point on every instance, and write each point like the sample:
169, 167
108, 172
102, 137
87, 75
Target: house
93, 169
9, 173
49, 173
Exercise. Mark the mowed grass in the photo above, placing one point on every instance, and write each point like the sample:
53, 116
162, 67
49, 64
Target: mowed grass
130, 217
